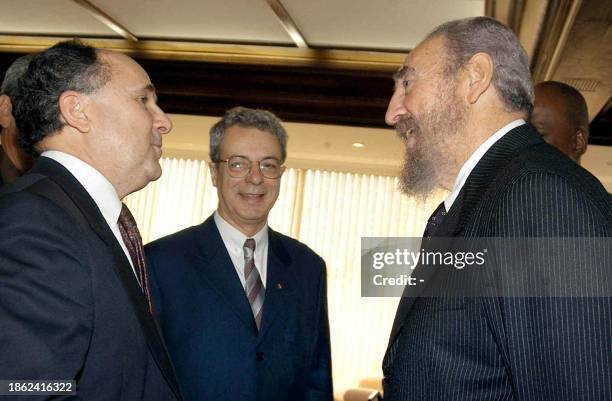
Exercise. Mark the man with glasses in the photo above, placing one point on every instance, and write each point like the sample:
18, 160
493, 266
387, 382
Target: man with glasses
242, 307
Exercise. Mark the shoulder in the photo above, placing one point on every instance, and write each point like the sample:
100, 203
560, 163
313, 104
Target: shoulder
183, 240
295, 250
31, 200
541, 192
36, 231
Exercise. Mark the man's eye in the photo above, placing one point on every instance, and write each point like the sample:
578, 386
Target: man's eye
143, 99
406, 82
238, 165
269, 166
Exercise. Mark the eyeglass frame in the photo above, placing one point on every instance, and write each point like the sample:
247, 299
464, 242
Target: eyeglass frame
249, 171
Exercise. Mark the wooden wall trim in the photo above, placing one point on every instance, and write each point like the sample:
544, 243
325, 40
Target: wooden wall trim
223, 53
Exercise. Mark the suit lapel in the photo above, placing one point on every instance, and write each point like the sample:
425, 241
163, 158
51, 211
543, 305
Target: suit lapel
279, 284
221, 274
464, 207
86, 205
411, 293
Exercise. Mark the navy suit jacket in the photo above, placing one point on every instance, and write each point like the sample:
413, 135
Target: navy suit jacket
536, 348
210, 330
70, 305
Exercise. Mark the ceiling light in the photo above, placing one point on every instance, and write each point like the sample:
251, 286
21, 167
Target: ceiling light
358, 145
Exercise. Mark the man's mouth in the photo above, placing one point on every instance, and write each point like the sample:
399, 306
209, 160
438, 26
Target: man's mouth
405, 128
252, 196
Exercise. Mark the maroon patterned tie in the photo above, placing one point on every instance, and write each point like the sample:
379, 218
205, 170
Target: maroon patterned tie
133, 242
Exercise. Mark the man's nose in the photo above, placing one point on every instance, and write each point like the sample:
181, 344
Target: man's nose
162, 122
254, 175
395, 108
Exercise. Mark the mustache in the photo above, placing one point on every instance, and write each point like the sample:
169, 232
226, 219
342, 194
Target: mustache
405, 125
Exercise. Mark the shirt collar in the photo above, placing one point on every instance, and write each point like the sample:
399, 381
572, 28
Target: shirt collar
475, 158
97, 186
235, 237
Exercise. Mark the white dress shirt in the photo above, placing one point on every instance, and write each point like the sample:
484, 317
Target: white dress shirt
234, 243
98, 187
475, 158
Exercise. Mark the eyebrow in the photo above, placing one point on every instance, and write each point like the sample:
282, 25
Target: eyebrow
151, 89
402, 72
262, 159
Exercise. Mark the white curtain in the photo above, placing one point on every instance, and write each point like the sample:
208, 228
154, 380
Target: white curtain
330, 212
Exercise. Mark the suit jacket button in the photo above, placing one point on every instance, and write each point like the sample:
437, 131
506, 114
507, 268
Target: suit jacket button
259, 356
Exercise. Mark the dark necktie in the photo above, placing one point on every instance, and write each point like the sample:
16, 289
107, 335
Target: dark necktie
133, 242
254, 287
434, 221
404, 305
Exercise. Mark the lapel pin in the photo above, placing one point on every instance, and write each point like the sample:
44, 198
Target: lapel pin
279, 286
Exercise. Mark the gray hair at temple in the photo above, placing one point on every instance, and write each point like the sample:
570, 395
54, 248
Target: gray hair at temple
244, 117
13, 73
511, 75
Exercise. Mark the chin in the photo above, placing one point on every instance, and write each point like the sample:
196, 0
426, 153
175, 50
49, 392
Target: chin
154, 173
253, 215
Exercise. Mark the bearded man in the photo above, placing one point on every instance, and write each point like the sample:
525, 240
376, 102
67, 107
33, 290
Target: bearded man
526, 325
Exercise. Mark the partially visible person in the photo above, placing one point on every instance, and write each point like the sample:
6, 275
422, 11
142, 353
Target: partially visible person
242, 307
13, 160
560, 115
75, 299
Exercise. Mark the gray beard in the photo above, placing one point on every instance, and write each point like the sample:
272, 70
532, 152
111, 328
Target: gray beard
434, 138
419, 176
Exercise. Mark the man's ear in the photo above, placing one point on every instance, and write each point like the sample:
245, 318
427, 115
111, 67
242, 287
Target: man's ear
580, 142
73, 110
478, 74
6, 111
213, 172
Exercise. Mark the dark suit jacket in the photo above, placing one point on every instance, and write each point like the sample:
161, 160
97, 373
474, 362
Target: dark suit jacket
519, 348
70, 305
210, 330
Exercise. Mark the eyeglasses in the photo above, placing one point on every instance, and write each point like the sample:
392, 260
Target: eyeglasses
240, 167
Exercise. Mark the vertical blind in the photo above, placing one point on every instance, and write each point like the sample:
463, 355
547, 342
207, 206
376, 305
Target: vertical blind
330, 212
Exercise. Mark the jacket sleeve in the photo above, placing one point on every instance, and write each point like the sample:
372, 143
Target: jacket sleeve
319, 383
556, 344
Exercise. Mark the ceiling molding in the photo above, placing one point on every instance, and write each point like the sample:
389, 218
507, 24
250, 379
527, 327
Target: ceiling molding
508, 12
489, 8
288, 23
558, 22
222, 53
107, 20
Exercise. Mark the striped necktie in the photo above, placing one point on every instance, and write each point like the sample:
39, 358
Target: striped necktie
254, 287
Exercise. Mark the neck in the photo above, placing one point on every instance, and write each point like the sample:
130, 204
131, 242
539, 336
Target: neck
54, 142
246, 228
477, 130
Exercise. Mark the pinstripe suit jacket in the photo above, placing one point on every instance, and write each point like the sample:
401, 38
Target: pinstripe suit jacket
513, 348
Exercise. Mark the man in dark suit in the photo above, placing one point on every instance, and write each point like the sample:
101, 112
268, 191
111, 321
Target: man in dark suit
75, 301
560, 115
513, 329
242, 307
13, 160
